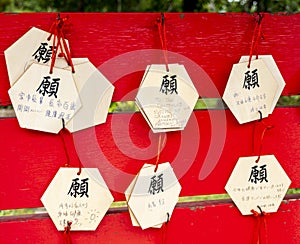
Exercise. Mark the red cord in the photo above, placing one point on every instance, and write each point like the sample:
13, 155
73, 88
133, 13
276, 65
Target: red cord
163, 38
160, 144
260, 231
62, 134
65, 135
67, 234
257, 35
261, 141
59, 43
267, 127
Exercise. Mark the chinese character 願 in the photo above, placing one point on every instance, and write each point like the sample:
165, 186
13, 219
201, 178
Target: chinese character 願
156, 184
49, 87
168, 86
258, 175
251, 79
79, 188
43, 53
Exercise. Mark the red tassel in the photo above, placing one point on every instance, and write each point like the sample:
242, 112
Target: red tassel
59, 43
164, 229
67, 234
260, 231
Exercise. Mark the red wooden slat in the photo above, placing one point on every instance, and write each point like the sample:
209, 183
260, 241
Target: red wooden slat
29, 159
213, 41
211, 140
214, 224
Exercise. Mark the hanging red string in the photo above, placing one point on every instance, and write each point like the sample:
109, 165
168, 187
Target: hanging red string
260, 231
164, 229
62, 134
267, 127
67, 234
65, 134
59, 43
256, 37
160, 144
67, 138
162, 36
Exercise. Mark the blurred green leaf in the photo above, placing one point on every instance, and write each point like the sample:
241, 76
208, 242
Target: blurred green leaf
289, 6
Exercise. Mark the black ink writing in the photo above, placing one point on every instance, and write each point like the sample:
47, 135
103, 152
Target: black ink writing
258, 175
251, 79
43, 53
79, 188
156, 184
48, 86
169, 86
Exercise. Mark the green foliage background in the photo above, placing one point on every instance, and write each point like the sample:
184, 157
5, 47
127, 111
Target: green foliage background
289, 6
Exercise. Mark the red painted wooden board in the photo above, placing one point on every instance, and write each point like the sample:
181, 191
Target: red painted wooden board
213, 41
213, 224
30, 159
203, 155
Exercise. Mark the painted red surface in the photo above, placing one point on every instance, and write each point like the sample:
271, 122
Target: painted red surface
203, 155
30, 159
213, 41
214, 224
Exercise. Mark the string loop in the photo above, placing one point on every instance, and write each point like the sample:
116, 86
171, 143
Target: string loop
168, 218
59, 42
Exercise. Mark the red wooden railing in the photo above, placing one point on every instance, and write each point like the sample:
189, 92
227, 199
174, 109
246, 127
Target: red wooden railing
214, 42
